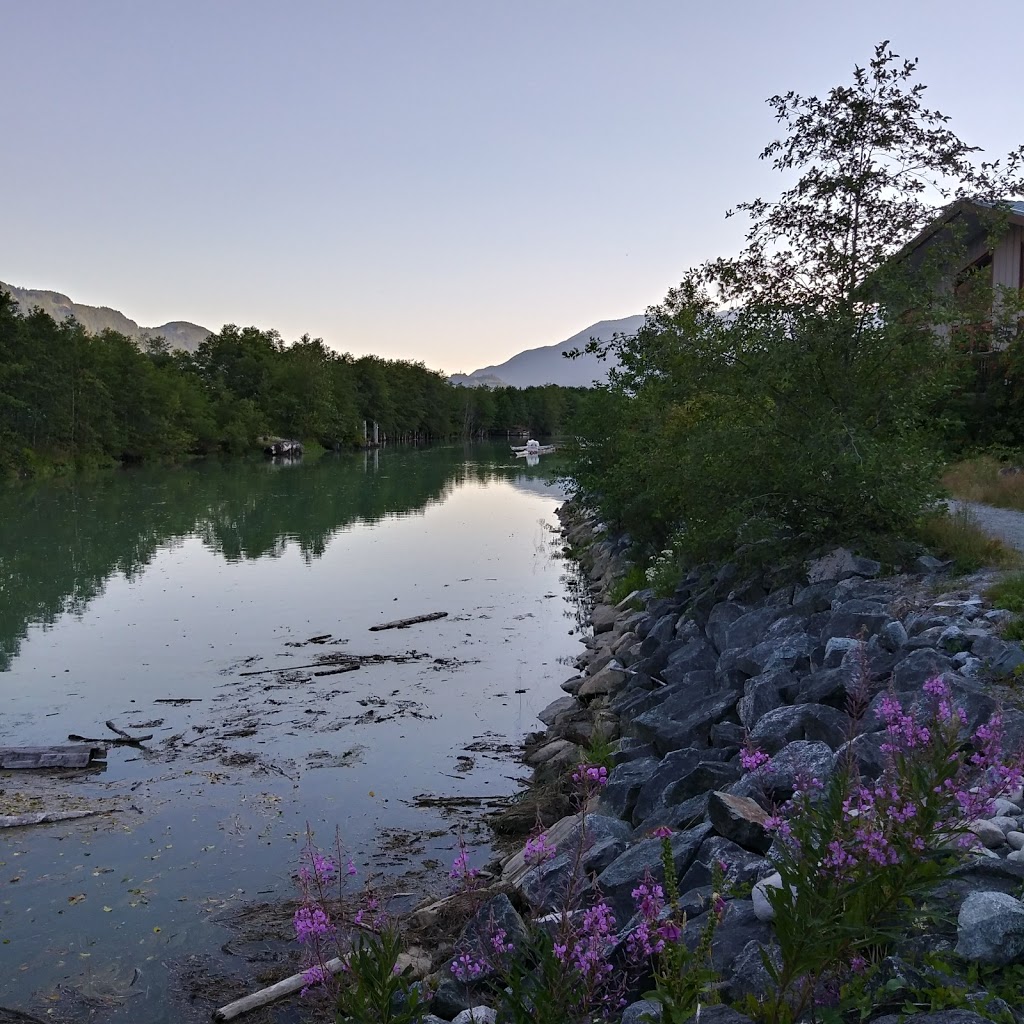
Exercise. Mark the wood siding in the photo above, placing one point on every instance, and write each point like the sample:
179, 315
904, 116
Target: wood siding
1006, 259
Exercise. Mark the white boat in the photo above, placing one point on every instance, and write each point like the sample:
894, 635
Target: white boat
532, 447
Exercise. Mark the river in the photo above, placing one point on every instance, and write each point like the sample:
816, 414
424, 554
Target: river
142, 597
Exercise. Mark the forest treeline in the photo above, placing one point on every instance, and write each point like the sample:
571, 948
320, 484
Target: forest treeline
68, 397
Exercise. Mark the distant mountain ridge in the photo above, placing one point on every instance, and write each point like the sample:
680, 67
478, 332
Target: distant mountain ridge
546, 365
178, 333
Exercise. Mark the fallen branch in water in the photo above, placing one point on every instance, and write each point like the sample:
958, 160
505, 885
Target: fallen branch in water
270, 994
123, 738
402, 623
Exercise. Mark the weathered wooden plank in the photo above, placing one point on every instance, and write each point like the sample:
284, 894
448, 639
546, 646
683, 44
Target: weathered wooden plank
76, 755
42, 817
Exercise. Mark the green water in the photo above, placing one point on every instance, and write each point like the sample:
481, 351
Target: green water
120, 593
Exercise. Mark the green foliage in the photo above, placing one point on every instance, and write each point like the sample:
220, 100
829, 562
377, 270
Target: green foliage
684, 979
1008, 593
633, 580
375, 991
599, 750
788, 393
68, 397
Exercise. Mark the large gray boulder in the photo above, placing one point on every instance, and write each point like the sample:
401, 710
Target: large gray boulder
618, 797
777, 781
682, 721
990, 928
627, 871
800, 722
740, 819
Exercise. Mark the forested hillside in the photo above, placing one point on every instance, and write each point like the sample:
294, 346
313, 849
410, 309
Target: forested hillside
68, 397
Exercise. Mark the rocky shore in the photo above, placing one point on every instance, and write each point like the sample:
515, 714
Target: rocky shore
681, 684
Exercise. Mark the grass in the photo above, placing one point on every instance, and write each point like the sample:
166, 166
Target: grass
1008, 593
980, 479
625, 585
957, 536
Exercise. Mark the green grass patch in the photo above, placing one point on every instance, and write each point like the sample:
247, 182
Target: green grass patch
987, 480
625, 585
957, 536
1008, 593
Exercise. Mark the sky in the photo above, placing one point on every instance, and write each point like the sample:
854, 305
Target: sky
448, 181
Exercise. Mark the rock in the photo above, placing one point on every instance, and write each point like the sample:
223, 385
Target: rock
761, 694
551, 884
990, 928
917, 668
556, 752
1016, 840
621, 877
750, 977
739, 927
642, 1012
814, 722
929, 564
792, 652
837, 648
572, 685
602, 618
741, 865
740, 819
893, 635
610, 679
840, 564
693, 656
556, 708
477, 1015
856, 618
618, 797
749, 629
815, 598
496, 913
866, 750
450, 998
669, 770
989, 834
719, 619
776, 781
432, 1018
515, 867
682, 721
830, 686
763, 910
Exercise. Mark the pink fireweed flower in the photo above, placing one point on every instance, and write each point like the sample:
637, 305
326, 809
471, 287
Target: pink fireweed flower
466, 968
350, 868
312, 977
460, 867
649, 899
323, 867
498, 943
662, 832
310, 922
754, 760
590, 776
537, 850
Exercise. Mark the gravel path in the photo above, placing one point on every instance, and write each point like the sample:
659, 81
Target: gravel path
1005, 523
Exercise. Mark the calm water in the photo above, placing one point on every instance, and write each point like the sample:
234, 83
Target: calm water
121, 593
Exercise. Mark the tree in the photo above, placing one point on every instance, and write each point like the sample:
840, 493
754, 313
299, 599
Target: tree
784, 392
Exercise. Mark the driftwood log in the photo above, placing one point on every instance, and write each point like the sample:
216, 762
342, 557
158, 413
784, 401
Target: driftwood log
402, 623
270, 994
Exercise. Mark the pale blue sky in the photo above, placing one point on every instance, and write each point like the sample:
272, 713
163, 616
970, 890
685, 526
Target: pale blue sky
446, 180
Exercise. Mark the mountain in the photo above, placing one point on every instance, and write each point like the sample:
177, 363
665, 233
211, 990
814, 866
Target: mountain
547, 365
178, 333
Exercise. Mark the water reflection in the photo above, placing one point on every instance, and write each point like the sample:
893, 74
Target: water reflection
60, 542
